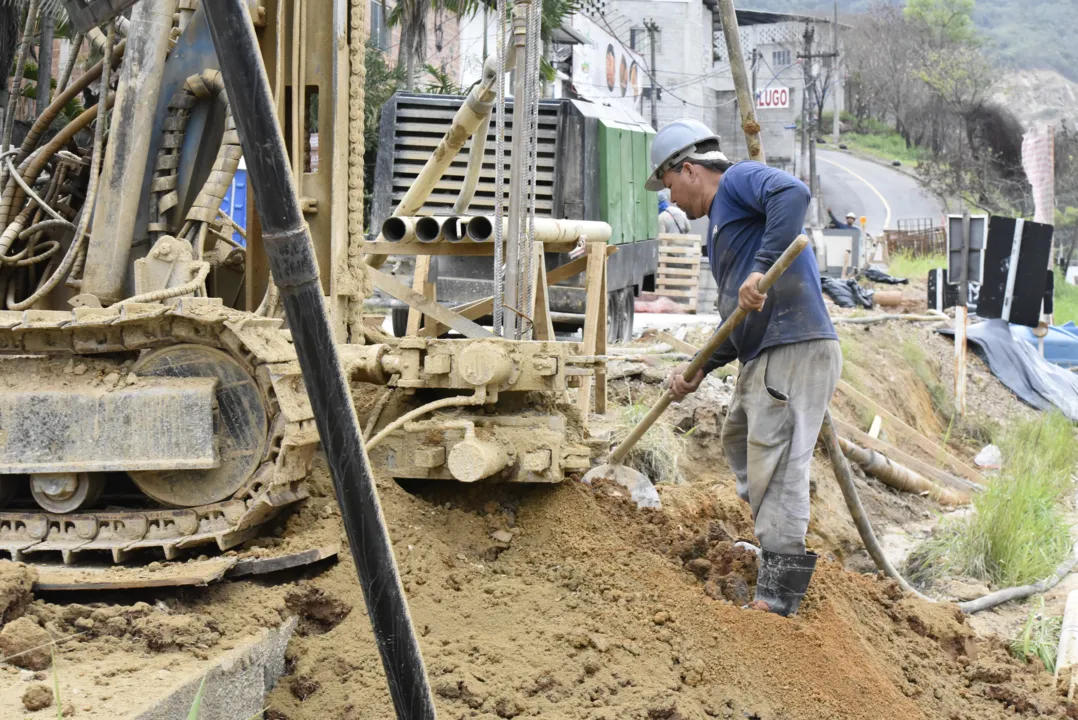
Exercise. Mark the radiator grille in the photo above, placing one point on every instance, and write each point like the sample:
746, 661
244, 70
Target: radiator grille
420, 126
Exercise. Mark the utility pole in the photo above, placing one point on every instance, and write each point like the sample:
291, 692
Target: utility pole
653, 30
486, 31
806, 61
755, 66
745, 103
836, 78
814, 206
808, 129
961, 320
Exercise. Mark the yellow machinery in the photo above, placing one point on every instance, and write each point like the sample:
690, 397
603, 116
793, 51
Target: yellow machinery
152, 398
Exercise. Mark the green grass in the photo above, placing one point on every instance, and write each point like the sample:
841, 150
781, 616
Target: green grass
1039, 637
657, 452
917, 359
852, 356
1019, 532
907, 265
1066, 300
56, 685
974, 428
888, 146
196, 706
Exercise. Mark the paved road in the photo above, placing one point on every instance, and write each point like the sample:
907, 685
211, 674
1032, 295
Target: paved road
881, 194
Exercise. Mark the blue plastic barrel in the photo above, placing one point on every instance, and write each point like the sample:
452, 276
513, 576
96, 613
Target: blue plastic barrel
235, 202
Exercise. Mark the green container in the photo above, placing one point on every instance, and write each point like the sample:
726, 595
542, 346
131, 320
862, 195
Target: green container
631, 211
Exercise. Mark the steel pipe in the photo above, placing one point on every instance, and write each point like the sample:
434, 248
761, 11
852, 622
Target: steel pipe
475, 165
428, 229
399, 229
468, 119
547, 230
455, 228
513, 262
291, 256
128, 148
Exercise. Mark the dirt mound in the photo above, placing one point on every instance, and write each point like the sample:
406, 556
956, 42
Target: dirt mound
25, 644
593, 609
568, 602
16, 583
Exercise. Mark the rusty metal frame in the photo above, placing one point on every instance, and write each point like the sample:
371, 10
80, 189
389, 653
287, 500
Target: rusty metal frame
326, 68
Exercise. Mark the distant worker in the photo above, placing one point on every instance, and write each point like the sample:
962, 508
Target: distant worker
787, 346
850, 224
672, 219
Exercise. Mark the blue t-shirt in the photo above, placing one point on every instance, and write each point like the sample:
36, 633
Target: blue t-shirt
757, 213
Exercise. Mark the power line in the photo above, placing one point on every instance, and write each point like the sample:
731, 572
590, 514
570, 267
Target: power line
650, 74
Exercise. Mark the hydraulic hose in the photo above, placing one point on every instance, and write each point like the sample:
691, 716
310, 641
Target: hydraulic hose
294, 269
91, 193
857, 510
455, 401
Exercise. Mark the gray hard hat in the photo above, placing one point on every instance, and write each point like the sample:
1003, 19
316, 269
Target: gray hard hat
676, 142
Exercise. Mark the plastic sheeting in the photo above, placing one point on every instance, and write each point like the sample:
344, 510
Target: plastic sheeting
1021, 368
846, 293
878, 276
1060, 344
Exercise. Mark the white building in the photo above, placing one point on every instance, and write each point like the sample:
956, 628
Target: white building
692, 69
775, 48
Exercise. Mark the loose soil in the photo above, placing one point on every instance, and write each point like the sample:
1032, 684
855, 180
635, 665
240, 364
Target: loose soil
567, 602
597, 610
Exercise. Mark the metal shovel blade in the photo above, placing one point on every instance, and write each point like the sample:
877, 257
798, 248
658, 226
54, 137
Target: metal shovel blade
640, 488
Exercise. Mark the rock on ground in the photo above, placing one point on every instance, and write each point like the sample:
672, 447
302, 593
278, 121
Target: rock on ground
37, 697
26, 644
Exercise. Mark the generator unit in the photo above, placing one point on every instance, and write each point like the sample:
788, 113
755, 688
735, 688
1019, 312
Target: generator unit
592, 164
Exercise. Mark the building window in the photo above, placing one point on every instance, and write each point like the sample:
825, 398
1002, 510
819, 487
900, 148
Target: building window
638, 40
379, 29
781, 58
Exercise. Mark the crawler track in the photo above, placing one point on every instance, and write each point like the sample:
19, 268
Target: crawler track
264, 351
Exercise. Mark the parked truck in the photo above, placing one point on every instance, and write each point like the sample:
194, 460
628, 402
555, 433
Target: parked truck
592, 164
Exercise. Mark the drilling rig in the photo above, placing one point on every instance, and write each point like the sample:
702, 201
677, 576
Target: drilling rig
152, 401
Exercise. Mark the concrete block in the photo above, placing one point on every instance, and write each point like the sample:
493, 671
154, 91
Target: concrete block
236, 683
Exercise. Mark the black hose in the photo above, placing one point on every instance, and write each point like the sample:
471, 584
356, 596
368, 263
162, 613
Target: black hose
857, 510
287, 242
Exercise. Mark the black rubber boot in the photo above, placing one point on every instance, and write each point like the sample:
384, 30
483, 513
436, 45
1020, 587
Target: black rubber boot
782, 580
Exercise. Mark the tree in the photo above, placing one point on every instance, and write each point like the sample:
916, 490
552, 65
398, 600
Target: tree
380, 82
441, 83
942, 22
411, 16
884, 58
1066, 223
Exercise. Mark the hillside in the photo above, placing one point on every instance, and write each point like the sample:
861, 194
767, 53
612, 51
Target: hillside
1026, 34
1041, 96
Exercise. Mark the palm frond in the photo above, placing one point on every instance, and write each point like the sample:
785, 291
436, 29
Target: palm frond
54, 8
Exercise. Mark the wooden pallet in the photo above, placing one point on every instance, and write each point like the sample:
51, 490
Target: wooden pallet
679, 269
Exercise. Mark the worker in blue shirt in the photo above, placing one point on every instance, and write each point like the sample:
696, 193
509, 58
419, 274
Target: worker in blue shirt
850, 224
788, 349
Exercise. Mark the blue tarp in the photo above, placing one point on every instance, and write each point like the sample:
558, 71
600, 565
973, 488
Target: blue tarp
1021, 368
1060, 345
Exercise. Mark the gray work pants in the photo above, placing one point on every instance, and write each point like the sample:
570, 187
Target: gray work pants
770, 433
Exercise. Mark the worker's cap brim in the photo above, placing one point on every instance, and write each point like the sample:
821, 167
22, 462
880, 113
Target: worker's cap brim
654, 183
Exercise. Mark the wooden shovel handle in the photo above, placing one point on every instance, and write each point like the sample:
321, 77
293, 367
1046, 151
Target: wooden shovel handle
721, 335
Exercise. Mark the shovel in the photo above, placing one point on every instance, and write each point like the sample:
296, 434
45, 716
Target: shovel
642, 490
